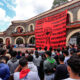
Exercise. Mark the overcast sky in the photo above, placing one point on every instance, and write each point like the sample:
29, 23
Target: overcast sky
21, 10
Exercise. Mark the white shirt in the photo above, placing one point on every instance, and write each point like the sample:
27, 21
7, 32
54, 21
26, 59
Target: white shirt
66, 58
32, 67
31, 76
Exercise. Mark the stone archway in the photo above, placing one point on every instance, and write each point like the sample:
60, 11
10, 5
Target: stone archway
8, 39
71, 16
70, 34
21, 39
21, 27
3, 40
28, 41
78, 15
31, 27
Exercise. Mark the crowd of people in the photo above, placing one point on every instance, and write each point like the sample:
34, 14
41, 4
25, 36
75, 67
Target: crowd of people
39, 64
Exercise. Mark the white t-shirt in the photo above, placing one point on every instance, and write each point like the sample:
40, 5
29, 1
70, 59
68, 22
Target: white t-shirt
32, 67
31, 76
71, 79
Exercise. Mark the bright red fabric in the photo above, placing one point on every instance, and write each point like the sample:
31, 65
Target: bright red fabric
23, 73
51, 31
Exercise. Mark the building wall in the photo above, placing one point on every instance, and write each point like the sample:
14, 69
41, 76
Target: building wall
73, 11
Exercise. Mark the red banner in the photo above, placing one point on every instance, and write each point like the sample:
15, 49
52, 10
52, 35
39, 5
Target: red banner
51, 31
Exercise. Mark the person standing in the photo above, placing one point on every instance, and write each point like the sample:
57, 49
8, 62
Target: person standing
25, 73
74, 67
4, 69
49, 66
61, 70
13, 62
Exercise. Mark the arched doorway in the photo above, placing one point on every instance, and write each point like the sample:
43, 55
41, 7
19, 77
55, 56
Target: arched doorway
75, 39
1, 42
32, 40
70, 14
19, 29
71, 35
19, 41
31, 28
7, 41
68, 19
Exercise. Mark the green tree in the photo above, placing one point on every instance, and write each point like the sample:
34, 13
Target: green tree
58, 2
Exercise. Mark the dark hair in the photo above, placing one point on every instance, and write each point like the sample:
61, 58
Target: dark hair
3, 52
72, 52
62, 48
0, 51
14, 53
66, 52
78, 47
73, 46
67, 47
10, 51
2, 58
30, 58
45, 48
61, 57
36, 54
54, 49
50, 48
26, 51
23, 62
40, 48
74, 63
58, 49
43, 56
23, 54
36, 48
19, 52
48, 53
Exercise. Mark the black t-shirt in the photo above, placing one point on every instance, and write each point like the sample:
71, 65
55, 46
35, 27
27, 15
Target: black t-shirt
61, 72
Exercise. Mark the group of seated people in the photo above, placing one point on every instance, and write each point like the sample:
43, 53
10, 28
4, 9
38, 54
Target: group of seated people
52, 64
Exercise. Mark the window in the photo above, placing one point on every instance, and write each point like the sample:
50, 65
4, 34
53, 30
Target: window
19, 41
31, 28
1, 40
68, 19
19, 30
32, 40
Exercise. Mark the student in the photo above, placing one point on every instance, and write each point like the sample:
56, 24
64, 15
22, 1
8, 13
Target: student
61, 70
18, 55
25, 73
74, 67
4, 69
66, 54
49, 66
31, 65
13, 62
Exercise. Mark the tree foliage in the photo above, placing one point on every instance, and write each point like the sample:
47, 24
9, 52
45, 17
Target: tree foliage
58, 2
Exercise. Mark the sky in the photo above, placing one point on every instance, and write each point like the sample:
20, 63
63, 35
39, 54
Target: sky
11, 10
21, 10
